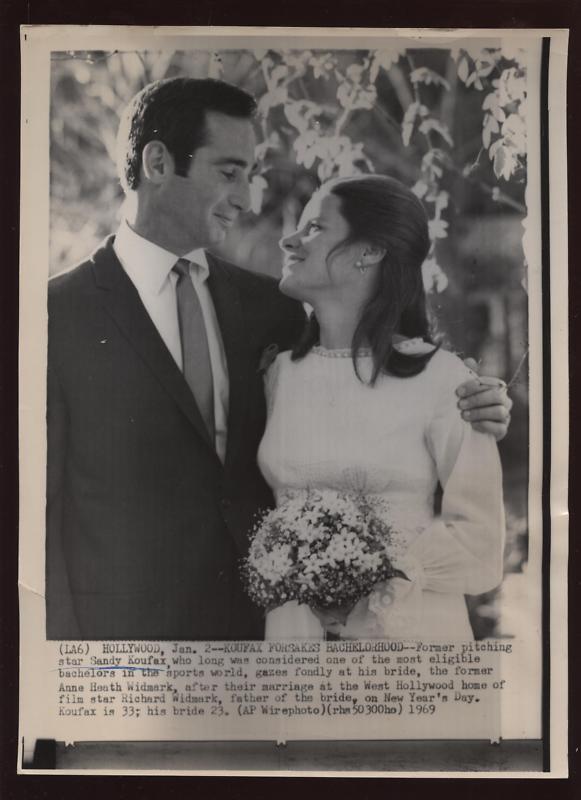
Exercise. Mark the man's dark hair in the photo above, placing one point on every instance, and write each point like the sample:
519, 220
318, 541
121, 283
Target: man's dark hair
173, 111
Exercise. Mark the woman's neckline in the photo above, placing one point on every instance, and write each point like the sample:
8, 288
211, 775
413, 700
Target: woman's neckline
406, 346
342, 352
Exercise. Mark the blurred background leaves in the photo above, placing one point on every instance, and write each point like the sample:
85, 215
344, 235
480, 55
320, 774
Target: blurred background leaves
450, 123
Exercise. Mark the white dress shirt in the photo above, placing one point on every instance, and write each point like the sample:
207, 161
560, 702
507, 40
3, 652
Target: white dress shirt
150, 269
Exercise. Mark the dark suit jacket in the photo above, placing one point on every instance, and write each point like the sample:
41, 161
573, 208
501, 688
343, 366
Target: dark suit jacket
145, 526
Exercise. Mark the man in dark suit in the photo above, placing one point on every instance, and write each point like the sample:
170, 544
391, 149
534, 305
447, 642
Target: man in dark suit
155, 397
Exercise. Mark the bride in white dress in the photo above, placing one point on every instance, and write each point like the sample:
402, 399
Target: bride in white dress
367, 403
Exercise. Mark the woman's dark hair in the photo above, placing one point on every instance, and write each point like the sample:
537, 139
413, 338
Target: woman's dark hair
383, 212
173, 111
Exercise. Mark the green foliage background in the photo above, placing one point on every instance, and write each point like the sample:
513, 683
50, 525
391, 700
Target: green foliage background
448, 122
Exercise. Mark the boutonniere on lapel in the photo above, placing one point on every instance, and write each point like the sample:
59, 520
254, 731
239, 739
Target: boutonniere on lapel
268, 356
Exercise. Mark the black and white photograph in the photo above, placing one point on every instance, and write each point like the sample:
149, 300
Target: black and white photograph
286, 336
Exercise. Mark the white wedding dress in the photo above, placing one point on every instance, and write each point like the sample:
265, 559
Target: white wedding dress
328, 430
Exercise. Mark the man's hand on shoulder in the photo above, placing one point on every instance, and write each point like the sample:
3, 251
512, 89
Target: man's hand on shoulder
484, 403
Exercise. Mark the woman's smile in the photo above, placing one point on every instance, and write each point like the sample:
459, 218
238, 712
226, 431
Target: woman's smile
315, 246
292, 258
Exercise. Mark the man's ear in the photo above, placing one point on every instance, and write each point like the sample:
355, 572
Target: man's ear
156, 162
372, 255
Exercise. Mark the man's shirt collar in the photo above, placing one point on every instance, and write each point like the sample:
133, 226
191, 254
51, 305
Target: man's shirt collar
149, 265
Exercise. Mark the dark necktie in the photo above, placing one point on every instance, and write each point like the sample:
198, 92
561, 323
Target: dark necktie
197, 367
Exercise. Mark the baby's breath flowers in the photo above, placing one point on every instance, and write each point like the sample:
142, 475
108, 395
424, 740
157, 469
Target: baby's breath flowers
322, 548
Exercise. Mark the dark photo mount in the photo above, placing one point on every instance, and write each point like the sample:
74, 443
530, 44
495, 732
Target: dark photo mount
479, 14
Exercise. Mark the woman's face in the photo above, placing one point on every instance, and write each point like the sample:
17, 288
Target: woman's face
314, 260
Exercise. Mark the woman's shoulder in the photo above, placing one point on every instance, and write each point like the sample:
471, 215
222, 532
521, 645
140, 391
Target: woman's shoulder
441, 367
447, 360
272, 358
445, 370
273, 363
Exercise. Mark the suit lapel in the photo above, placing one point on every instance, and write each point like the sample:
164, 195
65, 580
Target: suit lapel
231, 321
122, 302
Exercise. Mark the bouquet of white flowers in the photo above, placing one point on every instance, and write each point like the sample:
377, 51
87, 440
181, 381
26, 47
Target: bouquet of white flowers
323, 548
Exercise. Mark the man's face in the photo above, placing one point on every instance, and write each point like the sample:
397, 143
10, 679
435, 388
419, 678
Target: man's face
200, 207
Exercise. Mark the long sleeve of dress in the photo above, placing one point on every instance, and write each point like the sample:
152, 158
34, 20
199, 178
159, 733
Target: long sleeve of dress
462, 550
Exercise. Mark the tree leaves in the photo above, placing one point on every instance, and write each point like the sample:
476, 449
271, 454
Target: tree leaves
302, 113
276, 97
438, 228
258, 186
504, 128
472, 69
356, 91
492, 105
490, 126
352, 96
515, 132
430, 125
414, 112
321, 110
505, 159
433, 276
428, 76
337, 155
323, 66
384, 59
